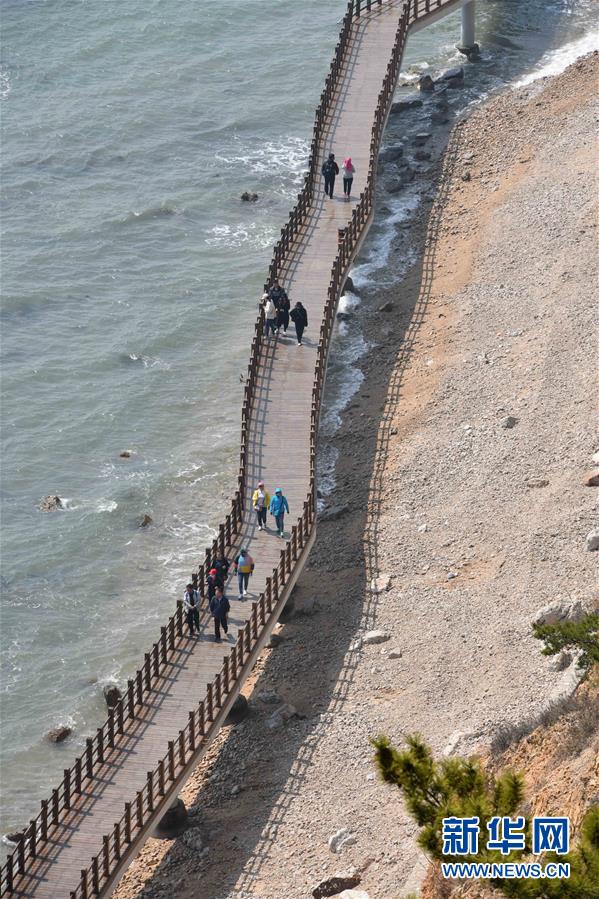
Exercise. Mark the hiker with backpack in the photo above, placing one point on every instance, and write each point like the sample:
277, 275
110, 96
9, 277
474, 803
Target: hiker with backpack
244, 567
278, 507
191, 604
219, 606
330, 169
348, 171
299, 316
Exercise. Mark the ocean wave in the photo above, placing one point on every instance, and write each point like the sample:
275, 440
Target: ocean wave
271, 157
153, 213
558, 60
148, 361
233, 236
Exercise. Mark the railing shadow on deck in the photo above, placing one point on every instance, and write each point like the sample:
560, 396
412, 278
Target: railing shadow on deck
262, 814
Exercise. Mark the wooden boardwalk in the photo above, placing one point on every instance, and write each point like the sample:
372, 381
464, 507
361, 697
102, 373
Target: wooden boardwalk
278, 451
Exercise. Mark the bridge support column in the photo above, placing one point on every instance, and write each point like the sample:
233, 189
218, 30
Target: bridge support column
468, 45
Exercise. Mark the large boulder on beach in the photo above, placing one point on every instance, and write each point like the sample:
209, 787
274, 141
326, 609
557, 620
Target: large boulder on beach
51, 504
238, 711
174, 821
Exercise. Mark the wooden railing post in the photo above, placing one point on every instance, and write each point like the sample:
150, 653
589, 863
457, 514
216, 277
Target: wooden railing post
171, 760
89, 758
67, 788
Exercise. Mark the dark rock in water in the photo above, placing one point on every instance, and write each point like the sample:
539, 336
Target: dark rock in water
174, 822
14, 837
439, 118
59, 734
393, 187
51, 504
145, 520
126, 454
422, 155
453, 77
248, 197
349, 285
345, 316
334, 513
426, 83
386, 307
112, 695
421, 138
239, 711
407, 173
408, 103
391, 154
335, 885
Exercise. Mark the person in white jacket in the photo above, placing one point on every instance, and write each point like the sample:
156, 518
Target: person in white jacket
270, 314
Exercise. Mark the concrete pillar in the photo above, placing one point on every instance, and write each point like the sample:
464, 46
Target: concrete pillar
468, 45
468, 25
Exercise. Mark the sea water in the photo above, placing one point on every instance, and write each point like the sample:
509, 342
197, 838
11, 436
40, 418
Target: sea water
130, 277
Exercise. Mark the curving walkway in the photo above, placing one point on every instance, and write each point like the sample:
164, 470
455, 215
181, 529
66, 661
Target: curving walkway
278, 450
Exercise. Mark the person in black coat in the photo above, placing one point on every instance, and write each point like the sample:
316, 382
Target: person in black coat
283, 313
330, 169
219, 606
299, 316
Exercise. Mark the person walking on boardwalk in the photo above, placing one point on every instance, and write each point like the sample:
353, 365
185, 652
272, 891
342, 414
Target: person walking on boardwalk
330, 169
299, 316
348, 170
270, 315
212, 582
277, 293
283, 313
221, 566
191, 604
219, 606
261, 502
244, 567
278, 507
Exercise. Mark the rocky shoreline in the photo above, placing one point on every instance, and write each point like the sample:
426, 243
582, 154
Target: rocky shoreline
460, 511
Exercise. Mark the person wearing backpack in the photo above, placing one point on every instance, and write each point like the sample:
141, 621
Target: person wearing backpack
348, 171
212, 582
244, 567
191, 604
329, 170
219, 606
278, 507
299, 316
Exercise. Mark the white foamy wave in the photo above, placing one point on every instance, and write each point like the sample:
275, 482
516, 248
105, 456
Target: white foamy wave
558, 60
272, 157
107, 505
380, 244
348, 300
149, 361
325, 468
258, 236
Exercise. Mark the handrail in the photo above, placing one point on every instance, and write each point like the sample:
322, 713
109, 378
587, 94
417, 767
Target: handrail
197, 734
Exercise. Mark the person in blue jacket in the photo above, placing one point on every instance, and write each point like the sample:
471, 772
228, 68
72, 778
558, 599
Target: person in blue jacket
278, 507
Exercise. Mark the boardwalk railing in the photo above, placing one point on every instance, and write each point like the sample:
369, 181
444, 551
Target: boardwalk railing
205, 719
